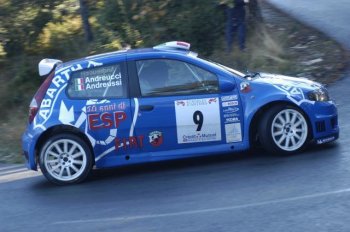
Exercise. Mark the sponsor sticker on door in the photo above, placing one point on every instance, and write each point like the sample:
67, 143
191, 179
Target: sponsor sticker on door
233, 132
229, 98
230, 103
198, 120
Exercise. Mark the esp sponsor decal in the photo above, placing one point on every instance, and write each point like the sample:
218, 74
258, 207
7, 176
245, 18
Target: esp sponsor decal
106, 120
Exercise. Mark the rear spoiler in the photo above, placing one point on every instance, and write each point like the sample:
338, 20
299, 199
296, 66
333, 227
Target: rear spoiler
47, 65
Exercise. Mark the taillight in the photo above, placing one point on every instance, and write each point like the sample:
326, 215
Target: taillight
33, 110
39, 96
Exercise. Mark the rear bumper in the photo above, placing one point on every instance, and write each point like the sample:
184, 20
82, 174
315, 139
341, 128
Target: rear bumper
28, 147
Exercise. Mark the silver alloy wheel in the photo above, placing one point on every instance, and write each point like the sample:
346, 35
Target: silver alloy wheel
289, 130
65, 159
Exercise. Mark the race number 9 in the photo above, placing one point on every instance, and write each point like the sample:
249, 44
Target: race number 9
198, 119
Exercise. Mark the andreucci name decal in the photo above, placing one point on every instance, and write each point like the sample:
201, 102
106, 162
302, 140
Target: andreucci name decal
98, 82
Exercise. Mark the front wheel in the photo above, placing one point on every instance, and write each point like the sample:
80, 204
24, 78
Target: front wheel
65, 159
283, 130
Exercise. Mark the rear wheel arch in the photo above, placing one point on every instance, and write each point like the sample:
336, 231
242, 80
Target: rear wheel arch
59, 129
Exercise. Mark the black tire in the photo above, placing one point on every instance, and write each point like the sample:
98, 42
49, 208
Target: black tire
270, 133
70, 164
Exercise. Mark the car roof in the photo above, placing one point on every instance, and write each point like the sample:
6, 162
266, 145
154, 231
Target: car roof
121, 53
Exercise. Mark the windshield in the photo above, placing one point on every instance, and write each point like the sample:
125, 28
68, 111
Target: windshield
235, 72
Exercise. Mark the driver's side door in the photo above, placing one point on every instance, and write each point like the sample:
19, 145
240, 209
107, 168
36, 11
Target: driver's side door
180, 106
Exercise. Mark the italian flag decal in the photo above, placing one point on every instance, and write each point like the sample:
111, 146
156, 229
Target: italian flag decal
79, 84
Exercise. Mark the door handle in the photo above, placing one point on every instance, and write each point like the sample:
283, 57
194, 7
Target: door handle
146, 107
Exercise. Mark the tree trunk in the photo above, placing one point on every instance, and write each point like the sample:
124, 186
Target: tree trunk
84, 12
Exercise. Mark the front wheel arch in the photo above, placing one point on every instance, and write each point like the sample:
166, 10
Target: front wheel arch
253, 127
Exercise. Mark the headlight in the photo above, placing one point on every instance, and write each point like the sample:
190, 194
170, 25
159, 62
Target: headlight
319, 95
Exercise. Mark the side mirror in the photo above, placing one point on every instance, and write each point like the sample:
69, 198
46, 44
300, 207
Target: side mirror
46, 65
226, 85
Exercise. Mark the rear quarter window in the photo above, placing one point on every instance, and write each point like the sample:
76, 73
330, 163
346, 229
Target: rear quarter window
100, 82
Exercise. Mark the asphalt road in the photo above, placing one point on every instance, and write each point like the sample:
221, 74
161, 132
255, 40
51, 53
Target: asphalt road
331, 17
306, 192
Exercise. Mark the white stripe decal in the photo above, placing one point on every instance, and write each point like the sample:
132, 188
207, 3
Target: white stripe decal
136, 113
289, 96
105, 153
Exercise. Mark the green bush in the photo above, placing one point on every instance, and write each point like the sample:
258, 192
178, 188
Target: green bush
62, 39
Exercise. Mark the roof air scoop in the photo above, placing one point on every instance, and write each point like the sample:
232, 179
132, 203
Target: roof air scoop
174, 45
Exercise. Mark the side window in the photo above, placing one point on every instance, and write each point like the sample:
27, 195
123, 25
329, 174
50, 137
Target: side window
99, 82
162, 77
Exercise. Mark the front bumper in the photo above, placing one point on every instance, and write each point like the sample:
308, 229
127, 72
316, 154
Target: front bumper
324, 122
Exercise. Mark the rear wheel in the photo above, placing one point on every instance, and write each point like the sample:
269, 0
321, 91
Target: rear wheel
65, 159
283, 130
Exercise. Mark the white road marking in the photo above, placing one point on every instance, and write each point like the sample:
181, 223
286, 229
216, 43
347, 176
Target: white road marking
18, 176
7, 167
5, 172
203, 211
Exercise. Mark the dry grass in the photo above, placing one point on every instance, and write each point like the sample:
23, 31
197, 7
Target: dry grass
264, 53
10, 137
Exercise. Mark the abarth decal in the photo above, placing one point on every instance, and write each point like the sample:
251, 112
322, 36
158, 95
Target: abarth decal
155, 138
59, 83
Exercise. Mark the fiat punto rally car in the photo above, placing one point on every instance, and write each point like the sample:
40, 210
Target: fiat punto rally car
163, 103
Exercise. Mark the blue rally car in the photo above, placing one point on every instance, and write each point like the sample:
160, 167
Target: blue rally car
161, 103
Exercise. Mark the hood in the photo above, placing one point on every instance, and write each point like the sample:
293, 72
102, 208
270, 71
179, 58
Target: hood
280, 80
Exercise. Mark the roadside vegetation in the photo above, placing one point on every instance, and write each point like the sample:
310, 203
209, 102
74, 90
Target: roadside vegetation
68, 29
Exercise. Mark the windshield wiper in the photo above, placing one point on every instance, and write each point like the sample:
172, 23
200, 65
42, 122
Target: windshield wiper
250, 76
